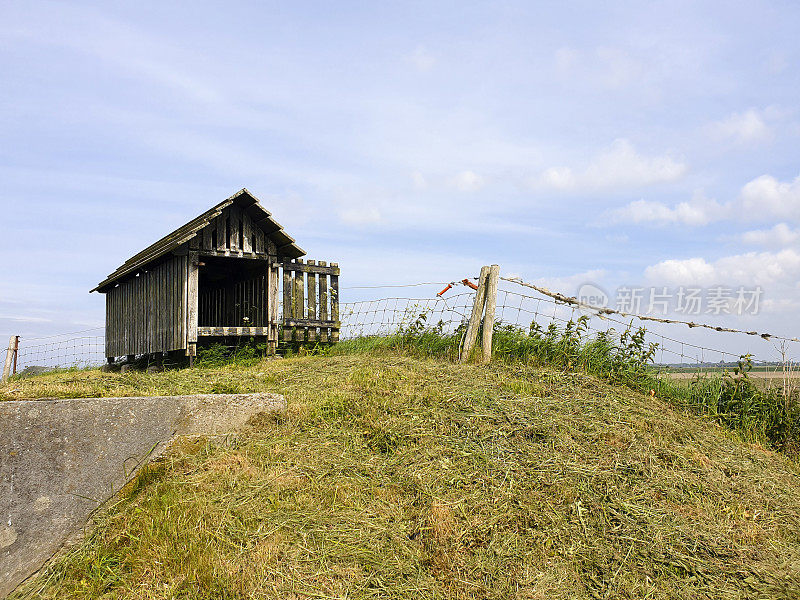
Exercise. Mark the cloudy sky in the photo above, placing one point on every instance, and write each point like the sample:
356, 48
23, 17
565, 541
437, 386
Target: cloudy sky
627, 145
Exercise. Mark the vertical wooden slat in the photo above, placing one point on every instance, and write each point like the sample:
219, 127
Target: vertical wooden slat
235, 216
191, 302
148, 312
324, 332
287, 303
311, 282
109, 324
334, 304
207, 236
221, 235
247, 233
298, 296
272, 303
181, 272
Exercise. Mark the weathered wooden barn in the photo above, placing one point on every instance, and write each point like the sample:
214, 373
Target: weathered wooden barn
217, 278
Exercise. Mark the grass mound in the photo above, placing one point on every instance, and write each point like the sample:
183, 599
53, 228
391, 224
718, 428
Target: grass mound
397, 477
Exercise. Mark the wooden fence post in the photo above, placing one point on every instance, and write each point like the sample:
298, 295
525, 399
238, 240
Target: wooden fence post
475, 319
10, 357
491, 304
16, 354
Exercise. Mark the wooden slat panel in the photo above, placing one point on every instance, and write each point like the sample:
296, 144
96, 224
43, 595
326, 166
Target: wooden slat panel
247, 232
234, 219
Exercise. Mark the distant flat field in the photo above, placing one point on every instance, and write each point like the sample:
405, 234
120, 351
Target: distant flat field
767, 378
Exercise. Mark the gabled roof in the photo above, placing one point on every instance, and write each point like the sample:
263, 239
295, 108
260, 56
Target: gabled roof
244, 199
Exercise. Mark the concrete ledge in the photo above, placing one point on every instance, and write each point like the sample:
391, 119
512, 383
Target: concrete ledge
61, 459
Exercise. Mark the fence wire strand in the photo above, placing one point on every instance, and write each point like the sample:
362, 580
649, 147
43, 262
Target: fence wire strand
385, 316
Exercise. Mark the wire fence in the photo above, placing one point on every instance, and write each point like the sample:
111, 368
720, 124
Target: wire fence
517, 305
61, 351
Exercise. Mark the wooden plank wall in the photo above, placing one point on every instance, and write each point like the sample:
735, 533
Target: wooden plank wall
310, 301
148, 313
233, 233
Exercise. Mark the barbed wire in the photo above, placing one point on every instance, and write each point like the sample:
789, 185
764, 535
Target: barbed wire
603, 310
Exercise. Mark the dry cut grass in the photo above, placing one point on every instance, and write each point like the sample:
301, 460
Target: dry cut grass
394, 477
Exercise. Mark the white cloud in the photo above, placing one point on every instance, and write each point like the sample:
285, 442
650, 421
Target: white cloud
780, 235
422, 59
360, 215
618, 166
698, 211
569, 284
746, 127
752, 268
468, 181
765, 196
419, 180
565, 59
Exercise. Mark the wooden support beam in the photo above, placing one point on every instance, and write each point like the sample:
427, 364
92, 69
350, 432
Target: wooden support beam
287, 303
475, 319
313, 323
272, 306
298, 301
491, 304
234, 254
333, 269
232, 331
192, 284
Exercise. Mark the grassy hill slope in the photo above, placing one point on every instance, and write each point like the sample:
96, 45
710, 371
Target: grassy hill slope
395, 477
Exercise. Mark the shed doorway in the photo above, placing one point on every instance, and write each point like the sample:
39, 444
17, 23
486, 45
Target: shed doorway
233, 292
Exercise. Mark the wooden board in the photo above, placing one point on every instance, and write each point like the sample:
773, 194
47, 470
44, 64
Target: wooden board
232, 331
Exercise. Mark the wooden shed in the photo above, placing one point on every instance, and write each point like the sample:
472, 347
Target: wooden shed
216, 278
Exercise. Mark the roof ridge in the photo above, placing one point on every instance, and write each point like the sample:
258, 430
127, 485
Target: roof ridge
188, 230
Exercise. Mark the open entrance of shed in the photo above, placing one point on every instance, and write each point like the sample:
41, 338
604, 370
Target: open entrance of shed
232, 292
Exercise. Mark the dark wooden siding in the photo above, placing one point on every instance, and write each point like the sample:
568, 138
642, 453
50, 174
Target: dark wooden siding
147, 314
233, 232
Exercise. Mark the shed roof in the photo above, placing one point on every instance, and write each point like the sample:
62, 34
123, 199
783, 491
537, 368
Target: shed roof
244, 199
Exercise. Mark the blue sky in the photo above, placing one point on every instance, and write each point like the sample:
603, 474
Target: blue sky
620, 144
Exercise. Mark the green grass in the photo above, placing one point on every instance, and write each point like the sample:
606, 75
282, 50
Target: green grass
395, 475
756, 412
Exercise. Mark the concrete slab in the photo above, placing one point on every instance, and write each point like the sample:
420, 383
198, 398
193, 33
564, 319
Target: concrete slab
61, 459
